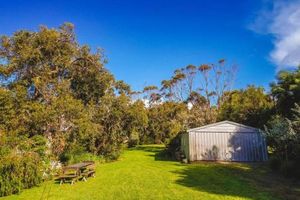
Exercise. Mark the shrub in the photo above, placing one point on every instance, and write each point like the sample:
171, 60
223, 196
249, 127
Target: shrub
133, 139
69, 158
114, 154
18, 172
173, 147
76, 154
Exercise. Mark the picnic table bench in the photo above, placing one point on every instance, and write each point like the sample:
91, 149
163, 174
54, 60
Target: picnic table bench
78, 171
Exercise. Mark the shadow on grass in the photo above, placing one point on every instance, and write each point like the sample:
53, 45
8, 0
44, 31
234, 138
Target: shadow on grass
216, 179
150, 148
253, 181
157, 151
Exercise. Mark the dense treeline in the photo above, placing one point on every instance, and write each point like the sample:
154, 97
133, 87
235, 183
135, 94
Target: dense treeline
58, 103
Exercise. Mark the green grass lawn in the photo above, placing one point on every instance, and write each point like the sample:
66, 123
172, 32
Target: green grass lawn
141, 173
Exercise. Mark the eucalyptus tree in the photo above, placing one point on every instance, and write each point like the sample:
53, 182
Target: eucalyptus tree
152, 95
207, 82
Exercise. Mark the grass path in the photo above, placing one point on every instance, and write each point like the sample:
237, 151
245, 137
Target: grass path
142, 174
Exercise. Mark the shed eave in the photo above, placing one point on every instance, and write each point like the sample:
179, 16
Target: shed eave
222, 122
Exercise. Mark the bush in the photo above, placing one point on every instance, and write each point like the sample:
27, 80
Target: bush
18, 172
133, 139
113, 155
173, 147
69, 158
76, 154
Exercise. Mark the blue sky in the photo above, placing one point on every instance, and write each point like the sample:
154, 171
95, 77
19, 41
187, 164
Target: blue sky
145, 41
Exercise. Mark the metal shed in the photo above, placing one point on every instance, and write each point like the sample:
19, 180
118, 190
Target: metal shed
224, 141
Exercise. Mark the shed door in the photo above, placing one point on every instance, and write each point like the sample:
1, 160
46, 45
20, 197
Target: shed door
211, 146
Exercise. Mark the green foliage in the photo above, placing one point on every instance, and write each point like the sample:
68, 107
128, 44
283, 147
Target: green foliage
58, 101
137, 123
249, 106
166, 120
89, 79
200, 113
18, 172
110, 115
283, 137
280, 136
286, 91
283, 130
71, 158
61, 91
133, 138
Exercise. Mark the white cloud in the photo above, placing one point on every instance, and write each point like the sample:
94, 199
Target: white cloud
281, 19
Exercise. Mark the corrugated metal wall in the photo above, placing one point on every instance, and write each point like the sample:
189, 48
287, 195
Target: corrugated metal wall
227, 146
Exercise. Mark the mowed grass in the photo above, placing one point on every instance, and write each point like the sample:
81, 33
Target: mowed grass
143, 173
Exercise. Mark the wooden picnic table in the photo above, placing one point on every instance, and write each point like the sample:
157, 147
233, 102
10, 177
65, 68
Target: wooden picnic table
77, 171
79, 166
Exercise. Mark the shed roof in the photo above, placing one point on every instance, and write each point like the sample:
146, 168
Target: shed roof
222, 125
